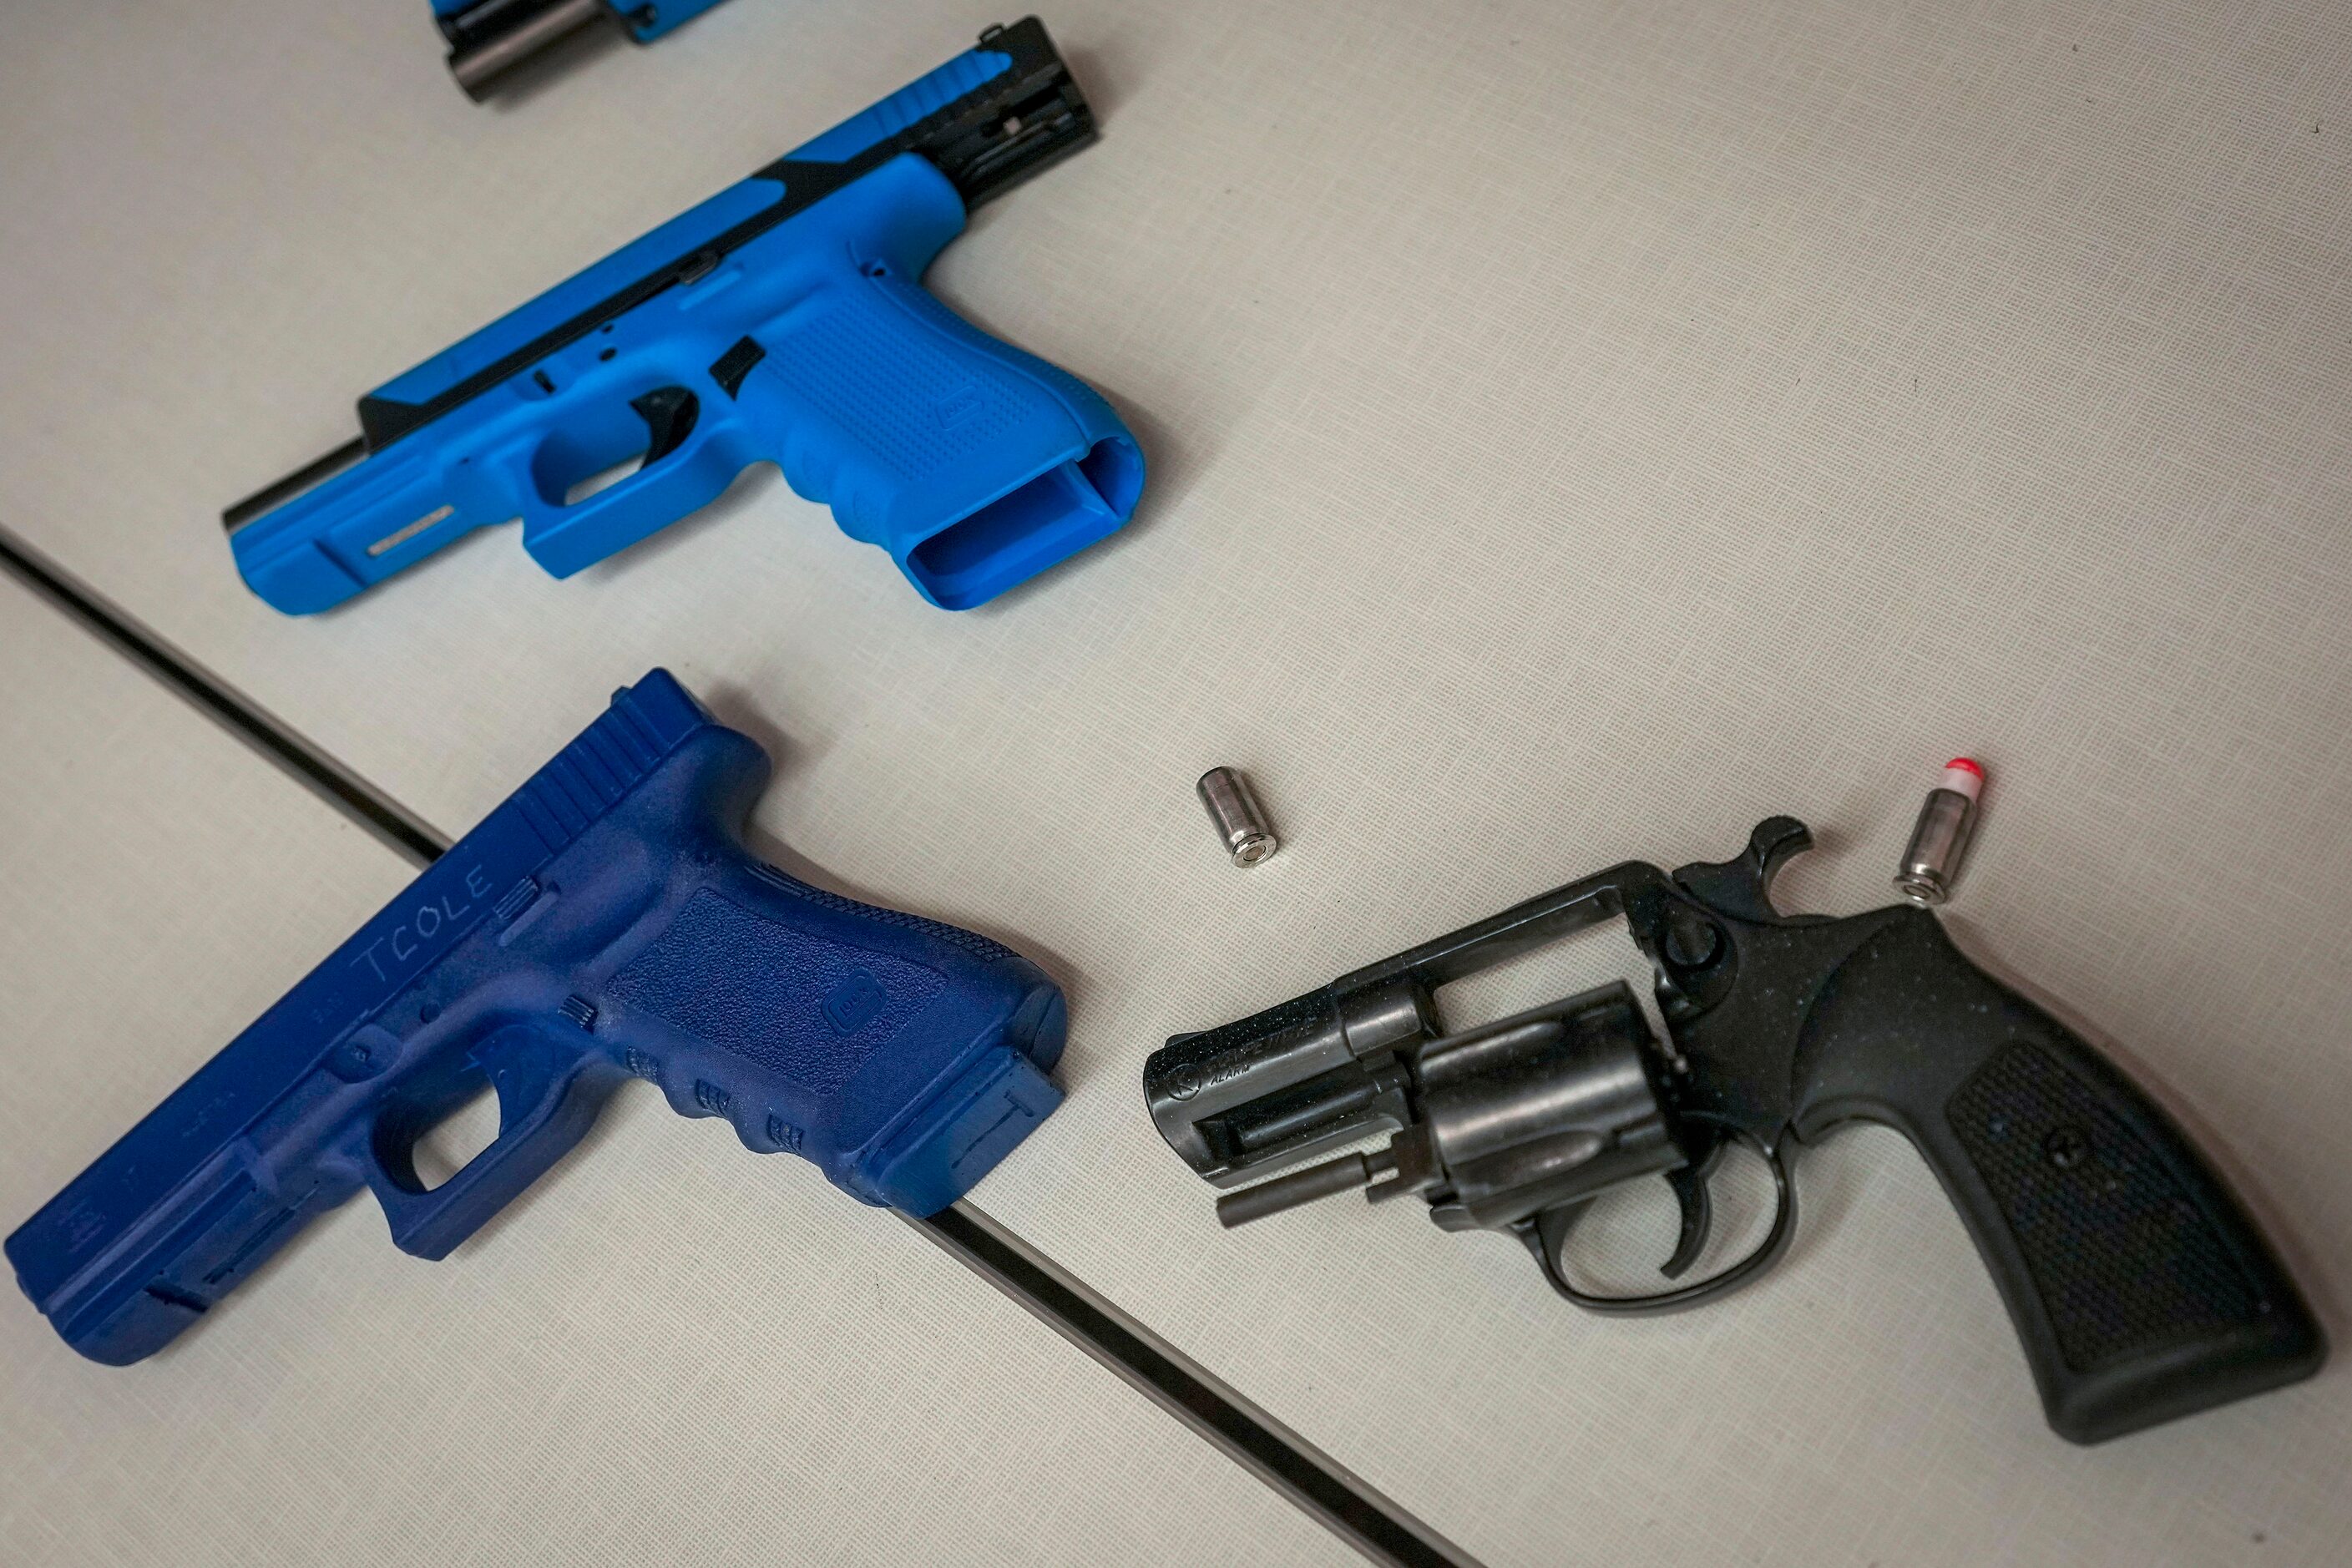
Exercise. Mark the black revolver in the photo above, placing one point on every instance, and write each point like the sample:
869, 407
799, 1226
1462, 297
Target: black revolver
2141, 1290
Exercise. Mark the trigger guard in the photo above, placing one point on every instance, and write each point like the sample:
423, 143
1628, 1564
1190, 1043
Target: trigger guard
549, 1091
1544, 1233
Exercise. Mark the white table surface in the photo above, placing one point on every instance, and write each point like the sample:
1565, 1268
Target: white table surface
1577, 431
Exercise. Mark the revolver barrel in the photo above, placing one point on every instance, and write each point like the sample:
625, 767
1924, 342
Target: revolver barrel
1271, 1089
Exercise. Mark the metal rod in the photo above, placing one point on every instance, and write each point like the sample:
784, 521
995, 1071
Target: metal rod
331, 781
1317, 1484
1343, 1175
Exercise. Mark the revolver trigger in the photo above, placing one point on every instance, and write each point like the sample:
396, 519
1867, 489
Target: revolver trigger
1699, 1218
1546, 1235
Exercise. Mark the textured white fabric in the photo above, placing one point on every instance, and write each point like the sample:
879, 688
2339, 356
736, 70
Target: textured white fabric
672, 1352
1578, 430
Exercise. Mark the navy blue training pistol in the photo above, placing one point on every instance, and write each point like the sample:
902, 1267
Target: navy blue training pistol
783, 320
603, 923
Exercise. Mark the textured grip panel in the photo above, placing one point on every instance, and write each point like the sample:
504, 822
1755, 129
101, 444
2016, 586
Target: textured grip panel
971, 941
2123, 1259
787, 1003
2140, 1288
975, 465
895, 405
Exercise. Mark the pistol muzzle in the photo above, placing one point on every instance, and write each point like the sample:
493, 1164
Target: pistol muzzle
490, 41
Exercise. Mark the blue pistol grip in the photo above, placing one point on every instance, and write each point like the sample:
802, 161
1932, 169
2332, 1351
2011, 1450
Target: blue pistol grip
784, 320
603, 923
975, 465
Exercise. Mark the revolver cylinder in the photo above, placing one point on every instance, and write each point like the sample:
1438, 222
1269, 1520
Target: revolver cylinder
1543, 1108
1538, 1110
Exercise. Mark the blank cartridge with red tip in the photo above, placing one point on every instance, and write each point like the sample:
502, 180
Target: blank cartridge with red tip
1931, 863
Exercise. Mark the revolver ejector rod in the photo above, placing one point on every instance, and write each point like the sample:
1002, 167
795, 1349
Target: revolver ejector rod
1329, 1179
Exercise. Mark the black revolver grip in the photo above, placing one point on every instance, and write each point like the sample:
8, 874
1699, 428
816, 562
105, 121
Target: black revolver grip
2138, 1285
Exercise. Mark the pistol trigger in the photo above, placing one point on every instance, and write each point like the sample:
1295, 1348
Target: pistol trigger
669, 413
1699, 1218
